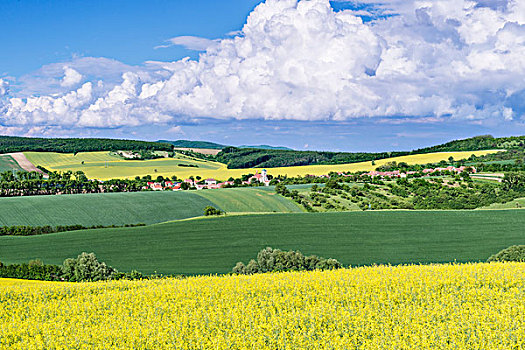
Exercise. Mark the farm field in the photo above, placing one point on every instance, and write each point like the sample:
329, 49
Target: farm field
7, 163
95, 165
473, 306
214, 245
138, 207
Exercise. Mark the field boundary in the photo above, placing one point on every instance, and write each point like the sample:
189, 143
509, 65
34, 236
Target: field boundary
23, 162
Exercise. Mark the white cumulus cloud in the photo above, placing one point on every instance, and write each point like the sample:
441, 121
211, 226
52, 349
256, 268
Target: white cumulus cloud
302, 60
71, 77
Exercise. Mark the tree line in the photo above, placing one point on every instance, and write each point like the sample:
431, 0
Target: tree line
24, 230
84, 268
34, 183
10, 144
240, 158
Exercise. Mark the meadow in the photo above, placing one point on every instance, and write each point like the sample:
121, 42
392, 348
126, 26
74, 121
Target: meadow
138, 207
214, 245
104, 165
472, 306
7, 163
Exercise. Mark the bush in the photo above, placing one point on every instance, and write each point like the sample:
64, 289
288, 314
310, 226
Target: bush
209, 211
276, 260
513, 253
86, 267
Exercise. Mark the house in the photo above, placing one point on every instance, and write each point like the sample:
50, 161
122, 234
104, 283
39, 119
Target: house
177, 187
209, 182
261, 177
200, 187
156, 186
168, 184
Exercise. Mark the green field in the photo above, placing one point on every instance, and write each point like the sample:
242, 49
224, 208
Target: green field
215, 245
7, 163
254, 200
139, 207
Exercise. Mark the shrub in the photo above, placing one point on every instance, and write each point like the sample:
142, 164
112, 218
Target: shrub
86, 267
209, 211
276, 260
513, 253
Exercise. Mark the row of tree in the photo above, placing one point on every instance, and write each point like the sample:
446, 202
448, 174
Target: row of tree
10, 144
23, 230
84, 268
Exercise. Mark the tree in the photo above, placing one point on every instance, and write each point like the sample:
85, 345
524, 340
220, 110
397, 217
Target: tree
86, 267
512, 253
276, 260
209, 211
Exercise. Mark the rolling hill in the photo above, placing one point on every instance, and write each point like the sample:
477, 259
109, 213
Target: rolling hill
238, 157
138, 207
8, 163
193, 144
214, 245
104, 165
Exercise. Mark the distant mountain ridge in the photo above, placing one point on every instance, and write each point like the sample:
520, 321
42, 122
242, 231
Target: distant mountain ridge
193, 144
213, 145
279, 148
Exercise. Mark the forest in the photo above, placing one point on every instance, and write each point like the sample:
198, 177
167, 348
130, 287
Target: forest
9, 144
237, 158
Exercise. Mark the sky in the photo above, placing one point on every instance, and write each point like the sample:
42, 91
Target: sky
367, 75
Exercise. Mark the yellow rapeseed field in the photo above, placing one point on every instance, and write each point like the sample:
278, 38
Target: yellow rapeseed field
473, 306
103, 165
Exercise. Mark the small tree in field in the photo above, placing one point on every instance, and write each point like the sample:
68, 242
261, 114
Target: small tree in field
210, 211
86, 267
276, 260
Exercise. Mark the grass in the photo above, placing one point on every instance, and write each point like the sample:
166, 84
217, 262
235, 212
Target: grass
215, 245
250, 200
129, 208
7, 163
95, 165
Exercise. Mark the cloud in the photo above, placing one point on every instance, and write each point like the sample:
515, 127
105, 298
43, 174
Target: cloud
430, 62
71, 77
3, 87
190, 42
175, 130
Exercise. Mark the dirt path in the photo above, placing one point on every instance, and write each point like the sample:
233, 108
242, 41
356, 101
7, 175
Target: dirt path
24, 163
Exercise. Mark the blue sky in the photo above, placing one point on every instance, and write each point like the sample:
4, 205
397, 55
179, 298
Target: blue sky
358, 76
38, 32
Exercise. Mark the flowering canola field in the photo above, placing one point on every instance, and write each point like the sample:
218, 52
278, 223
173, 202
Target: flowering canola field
104, 166
473, 306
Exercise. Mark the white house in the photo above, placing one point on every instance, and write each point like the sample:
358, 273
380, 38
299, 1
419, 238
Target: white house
210, 182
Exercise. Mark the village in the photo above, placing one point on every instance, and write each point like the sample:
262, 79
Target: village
262, 178
428, 171
210, 184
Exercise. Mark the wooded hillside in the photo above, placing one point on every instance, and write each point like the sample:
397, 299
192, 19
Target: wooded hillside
10, 144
